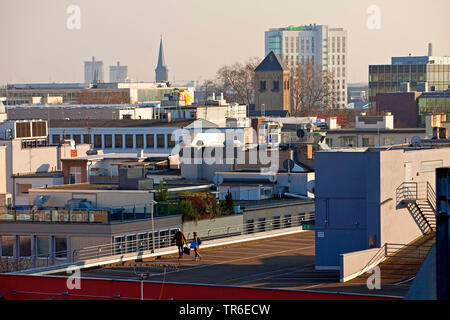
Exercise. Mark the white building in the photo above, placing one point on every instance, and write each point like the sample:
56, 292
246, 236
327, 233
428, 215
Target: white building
93, 71
118, 73
316, 43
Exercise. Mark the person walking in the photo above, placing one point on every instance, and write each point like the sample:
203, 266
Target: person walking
180, 240
195, 244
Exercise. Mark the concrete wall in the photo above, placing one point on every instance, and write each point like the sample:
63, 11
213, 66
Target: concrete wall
99, 198
397, 224
270, 212
377, 138
36, 182
2, 170
347, 195
211, 227
353, 263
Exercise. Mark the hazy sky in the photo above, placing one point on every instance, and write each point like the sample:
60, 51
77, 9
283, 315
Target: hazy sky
200, 35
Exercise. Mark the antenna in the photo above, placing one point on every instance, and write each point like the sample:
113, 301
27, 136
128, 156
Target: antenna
218, 179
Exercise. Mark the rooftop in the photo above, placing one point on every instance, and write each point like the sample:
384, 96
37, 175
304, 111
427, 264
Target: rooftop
119, 123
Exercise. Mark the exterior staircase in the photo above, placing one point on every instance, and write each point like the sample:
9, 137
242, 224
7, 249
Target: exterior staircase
420, 199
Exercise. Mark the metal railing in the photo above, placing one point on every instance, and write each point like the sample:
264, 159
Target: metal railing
144, 242
414, 191
398, 251
10, 264
159, 241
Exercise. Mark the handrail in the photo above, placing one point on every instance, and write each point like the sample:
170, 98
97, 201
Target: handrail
165, 240
161, 241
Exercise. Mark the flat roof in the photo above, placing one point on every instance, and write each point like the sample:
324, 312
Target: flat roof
356, 131
89, 123
106, 156
283, 262
58, 174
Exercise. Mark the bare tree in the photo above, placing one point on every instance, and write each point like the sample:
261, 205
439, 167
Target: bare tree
209, 86
312, 88
237, 81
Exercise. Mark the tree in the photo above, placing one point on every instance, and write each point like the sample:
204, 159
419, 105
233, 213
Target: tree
312, 88
227, 205
162, 192
237, 81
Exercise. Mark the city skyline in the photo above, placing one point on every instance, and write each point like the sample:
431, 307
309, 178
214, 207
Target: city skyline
198, 39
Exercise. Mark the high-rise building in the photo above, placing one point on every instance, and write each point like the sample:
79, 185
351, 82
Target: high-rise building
93, 71
411, 73
118, 73
319, 44
161, 71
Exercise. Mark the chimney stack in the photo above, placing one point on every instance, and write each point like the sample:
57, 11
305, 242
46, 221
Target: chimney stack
430, 49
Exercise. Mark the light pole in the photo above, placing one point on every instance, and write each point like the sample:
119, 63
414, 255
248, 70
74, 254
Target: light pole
153, 225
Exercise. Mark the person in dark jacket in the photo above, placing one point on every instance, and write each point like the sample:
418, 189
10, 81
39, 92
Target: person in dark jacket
180, 240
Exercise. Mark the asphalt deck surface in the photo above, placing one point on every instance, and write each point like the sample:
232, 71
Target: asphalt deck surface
285, 262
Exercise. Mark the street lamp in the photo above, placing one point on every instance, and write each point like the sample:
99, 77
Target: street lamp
153, 202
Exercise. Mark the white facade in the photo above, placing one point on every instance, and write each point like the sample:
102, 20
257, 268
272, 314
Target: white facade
316, 43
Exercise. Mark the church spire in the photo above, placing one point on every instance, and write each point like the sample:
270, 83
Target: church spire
162, 73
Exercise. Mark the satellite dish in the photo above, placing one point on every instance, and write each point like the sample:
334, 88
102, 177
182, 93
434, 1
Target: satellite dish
311, 186
288, 164
300, 133
218, 179
273, 178
200, 143
416, 142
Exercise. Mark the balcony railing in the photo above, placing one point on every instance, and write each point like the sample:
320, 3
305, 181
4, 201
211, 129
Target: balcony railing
97, 216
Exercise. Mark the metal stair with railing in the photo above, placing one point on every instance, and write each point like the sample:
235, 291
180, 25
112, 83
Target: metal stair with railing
420, 199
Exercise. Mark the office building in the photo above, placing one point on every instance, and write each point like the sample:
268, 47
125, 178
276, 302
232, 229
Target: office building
318, 44
118, 73
414, 73
93, 71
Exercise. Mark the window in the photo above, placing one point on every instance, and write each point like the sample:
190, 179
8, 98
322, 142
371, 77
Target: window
128, 141
97, 140
119, 243
276, 85
24, 246
60, 245
118, 140
87, 139
56, 139
171, 141
139, 141
7, 246
74, 175
262, 85
22, 188
42, 246
77, 138
150, 141
160, 141
108, 141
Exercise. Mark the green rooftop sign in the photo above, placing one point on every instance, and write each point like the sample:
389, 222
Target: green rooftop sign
292, 28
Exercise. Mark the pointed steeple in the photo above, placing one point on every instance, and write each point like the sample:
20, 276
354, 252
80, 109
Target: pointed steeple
162, 73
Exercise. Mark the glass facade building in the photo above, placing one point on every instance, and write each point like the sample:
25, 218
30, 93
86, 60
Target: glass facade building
433, 102
388, 78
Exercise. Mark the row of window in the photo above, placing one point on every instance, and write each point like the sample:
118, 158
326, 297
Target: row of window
44, 246
275, 85
118, 141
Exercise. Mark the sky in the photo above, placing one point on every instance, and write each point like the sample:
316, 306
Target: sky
200, 36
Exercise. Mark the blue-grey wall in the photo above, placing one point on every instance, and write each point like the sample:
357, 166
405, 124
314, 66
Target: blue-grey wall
347, 201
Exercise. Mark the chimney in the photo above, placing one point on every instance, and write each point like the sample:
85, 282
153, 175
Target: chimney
430, 49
